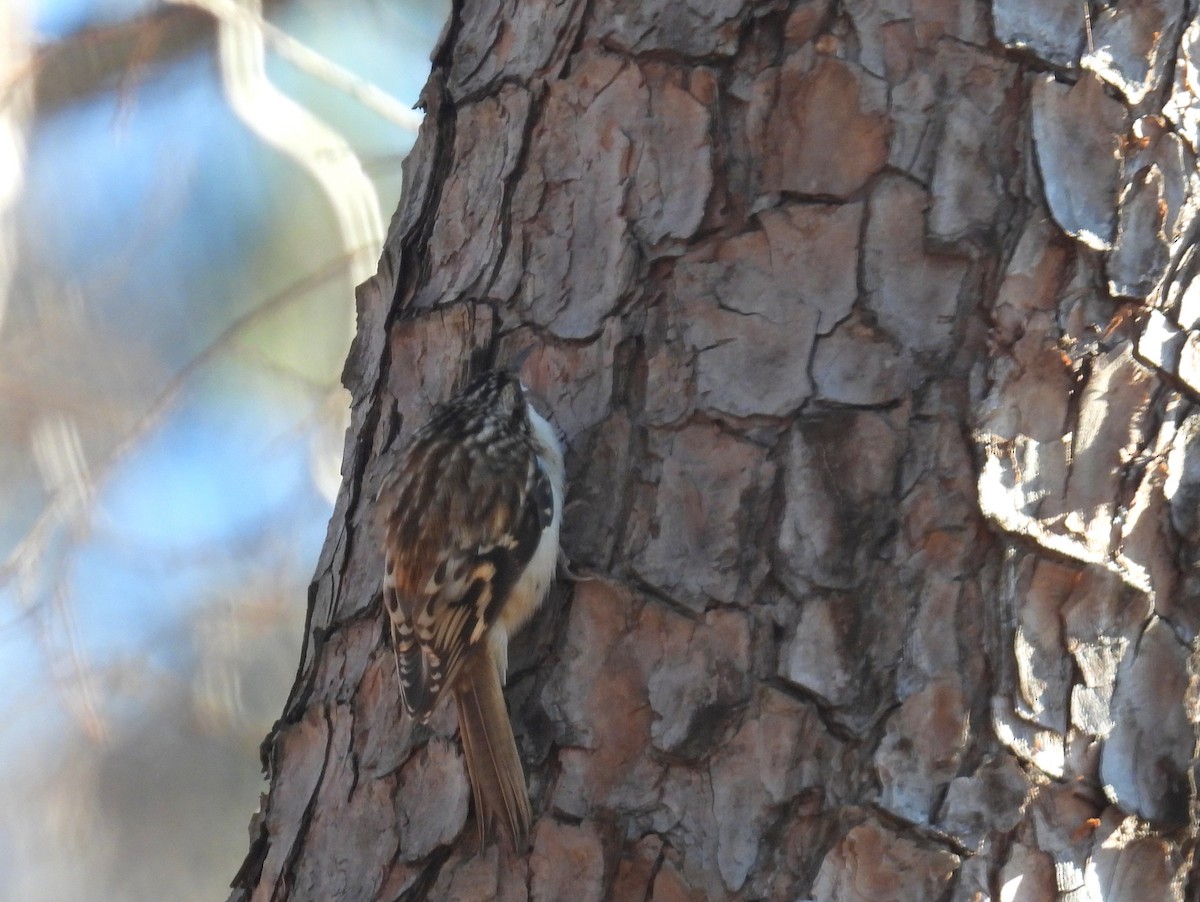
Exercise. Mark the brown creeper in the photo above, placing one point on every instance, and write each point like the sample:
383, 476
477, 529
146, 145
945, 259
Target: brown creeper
471, 521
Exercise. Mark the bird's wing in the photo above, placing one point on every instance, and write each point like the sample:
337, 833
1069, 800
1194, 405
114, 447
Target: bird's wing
463, 528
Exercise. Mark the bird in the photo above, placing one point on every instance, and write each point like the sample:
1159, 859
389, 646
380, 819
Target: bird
471, 518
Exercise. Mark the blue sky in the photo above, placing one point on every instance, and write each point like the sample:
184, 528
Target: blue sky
151, 222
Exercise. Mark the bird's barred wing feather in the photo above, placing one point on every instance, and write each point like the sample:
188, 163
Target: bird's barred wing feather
464, 526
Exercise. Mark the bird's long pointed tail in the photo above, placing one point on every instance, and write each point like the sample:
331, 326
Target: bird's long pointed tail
497, 780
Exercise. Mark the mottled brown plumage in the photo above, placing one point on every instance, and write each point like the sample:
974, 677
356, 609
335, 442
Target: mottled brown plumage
471, 521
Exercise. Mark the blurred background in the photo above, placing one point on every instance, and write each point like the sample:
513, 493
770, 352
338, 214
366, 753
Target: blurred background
188, 194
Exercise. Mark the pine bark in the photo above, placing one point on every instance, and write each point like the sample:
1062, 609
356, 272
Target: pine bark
872, 333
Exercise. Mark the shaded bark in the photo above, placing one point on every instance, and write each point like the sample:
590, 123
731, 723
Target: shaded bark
869, 327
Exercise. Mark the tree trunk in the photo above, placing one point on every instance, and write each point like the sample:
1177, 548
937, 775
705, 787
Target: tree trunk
868, 325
